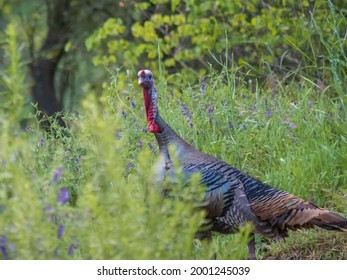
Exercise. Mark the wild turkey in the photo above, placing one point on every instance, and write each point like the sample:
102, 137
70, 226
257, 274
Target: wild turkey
232, 197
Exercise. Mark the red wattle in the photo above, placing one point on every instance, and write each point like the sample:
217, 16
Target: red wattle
152, 126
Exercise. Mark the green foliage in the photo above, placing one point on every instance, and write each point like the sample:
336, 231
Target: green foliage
108, 216
90, 195
281, 41
282, 38
335, 48
13, 77
80, 197
87, 191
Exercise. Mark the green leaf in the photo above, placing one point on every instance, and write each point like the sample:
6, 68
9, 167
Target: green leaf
67, 46
174, 4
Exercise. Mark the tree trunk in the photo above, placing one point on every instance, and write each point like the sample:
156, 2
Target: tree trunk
44, 65
43, 92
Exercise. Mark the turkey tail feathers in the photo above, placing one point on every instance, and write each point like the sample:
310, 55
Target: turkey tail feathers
283, 210
331, 221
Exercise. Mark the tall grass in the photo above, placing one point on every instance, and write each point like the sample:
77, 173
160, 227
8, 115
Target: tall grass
336, 54
87, 192
290, 137
285, 138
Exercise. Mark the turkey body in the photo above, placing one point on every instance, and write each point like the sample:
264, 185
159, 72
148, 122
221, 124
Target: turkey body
233, 198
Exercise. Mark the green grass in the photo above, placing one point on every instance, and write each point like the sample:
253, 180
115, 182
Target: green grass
289, 138
308, 245
87, 192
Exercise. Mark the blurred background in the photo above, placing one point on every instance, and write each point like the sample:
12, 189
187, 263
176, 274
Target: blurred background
67, 48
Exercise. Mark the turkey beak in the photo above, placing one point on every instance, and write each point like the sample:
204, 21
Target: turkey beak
141, 76
143, 82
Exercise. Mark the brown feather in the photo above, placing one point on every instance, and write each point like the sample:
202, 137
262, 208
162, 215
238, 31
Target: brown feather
289, 211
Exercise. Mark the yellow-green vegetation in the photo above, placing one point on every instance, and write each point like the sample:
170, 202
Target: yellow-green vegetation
86, 191
285, 38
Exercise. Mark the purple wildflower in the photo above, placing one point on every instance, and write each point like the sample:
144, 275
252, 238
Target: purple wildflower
268, 113
277, 238
132, 104
3, 240
210, 109
186, 113
203, 89
41, 142
71, 249
77, 159
290, 124
130, 165
124, 114
57, 175
12, 247
3, 247
64, 196
61, 230
244, 127
48, 209
231, 125
139, 143
330, 114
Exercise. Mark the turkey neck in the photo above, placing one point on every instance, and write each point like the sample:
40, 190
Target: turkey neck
168, 137
150, 102
164, 134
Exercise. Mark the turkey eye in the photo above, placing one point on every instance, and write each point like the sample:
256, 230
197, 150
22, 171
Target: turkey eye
150, 76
